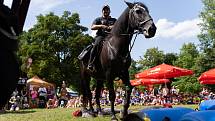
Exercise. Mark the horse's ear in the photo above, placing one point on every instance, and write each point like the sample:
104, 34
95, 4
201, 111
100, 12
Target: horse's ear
130, 5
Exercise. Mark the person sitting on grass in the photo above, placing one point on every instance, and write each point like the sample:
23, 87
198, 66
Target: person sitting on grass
14, 101
50, 104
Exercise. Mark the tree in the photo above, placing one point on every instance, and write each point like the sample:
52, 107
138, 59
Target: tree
54, 44
207, 36
170, 58
187, 56
133, 69
152, 57
187, 59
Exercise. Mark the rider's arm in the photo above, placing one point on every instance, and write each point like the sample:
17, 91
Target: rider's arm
96, 27
111, 26
97, 24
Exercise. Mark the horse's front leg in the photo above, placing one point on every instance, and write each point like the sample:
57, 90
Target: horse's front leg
128, 88
87, 96
112, 95
98, 94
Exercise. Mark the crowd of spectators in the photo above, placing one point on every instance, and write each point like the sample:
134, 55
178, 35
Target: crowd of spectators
42, 97
156, 97
47, 98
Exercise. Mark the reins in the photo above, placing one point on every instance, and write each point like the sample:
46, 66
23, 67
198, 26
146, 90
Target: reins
132, 42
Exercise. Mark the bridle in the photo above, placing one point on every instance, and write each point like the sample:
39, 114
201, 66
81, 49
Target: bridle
138, 30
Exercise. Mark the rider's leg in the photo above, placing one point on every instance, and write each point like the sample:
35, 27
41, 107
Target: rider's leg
94, 53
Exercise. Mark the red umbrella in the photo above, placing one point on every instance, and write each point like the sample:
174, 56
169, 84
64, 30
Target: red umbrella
135, 82
164, 71
148, 81
208, 75
207, 82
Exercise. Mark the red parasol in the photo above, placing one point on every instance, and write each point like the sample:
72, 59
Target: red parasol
208, 75
135, 82
164, 71
138, 82
207, 82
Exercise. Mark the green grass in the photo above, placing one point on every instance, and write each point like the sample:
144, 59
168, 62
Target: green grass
59, 114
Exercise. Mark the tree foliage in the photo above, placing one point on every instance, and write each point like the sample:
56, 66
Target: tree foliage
187, 60
54, 44
207, 37
151, 58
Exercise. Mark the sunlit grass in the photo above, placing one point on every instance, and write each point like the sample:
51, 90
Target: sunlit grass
59, 114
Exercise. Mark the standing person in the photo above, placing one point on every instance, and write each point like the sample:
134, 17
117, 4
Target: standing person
63, 95
103, 25
42, 96
50, 93
34, 96
24, 98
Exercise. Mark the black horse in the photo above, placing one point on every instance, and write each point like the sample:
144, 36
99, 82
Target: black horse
114, 58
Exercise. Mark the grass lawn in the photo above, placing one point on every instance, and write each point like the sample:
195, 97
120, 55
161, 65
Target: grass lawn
58, 114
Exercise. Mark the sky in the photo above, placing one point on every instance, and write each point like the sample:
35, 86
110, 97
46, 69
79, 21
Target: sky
176, 20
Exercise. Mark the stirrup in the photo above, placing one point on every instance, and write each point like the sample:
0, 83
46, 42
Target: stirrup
91, 67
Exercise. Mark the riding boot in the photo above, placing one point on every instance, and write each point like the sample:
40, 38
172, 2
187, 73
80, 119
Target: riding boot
91, 65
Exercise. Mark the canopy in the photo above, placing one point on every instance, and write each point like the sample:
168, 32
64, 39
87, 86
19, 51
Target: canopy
148, 81
37, 81
164, 71
208, 75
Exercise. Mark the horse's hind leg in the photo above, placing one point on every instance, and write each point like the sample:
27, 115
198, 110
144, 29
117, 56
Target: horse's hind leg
98, 94
125, 79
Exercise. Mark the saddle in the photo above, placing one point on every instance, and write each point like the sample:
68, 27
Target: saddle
88, 49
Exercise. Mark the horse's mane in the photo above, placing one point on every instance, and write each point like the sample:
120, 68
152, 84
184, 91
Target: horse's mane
122, 21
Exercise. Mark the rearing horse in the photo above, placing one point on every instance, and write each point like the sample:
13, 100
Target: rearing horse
114, 59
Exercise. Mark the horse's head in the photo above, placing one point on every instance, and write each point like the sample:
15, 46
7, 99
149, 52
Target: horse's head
140, 19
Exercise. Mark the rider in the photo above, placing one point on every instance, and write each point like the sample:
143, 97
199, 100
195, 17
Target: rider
103, 25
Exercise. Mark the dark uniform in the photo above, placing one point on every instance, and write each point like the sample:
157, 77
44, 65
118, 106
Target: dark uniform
103, 21
102, 33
